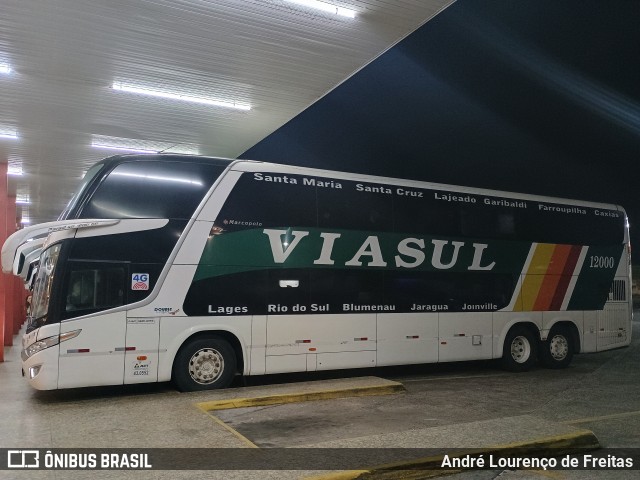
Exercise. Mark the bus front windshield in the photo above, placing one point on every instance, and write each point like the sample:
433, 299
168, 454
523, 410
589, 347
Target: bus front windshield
92, 172
43, 286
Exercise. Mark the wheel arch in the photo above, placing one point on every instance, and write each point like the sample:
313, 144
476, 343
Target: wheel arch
570, 327
526, 323
231, 338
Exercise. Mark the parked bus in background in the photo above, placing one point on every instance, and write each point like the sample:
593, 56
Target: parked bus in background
195, 269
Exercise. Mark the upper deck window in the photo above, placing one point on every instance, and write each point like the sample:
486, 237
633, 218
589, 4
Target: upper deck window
152, 189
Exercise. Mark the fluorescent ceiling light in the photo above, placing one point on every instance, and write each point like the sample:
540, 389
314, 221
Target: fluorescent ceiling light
141, 146
159, 178
123, 87
14, 170
326, 7
22, 200
6, 132
5, 68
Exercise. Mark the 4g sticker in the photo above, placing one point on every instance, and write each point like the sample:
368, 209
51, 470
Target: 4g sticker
140, 281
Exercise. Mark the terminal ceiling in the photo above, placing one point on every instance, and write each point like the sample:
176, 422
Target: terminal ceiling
65, 55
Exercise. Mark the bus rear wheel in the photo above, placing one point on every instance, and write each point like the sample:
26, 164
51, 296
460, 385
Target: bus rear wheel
204, 364
519, 353
557, 349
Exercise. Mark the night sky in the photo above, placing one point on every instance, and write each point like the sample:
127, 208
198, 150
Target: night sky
535, 96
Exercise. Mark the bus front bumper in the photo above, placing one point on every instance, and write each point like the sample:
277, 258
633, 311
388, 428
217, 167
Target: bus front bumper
41, 369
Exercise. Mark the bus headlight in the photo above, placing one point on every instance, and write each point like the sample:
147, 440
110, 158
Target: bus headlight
48, 342
40, 345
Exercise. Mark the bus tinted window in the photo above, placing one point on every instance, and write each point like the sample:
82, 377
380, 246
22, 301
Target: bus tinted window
152, 189
484, 222
549, 223
356, 206
92, 287
426, 215
269, 200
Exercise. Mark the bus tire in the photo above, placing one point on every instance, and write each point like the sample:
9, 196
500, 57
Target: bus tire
557, 350
205, 363
519, 353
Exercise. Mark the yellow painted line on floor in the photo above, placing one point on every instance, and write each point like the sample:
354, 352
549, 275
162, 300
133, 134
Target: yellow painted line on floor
371, 390
552, 446
387, 389
613, 416
244, 439
452, 377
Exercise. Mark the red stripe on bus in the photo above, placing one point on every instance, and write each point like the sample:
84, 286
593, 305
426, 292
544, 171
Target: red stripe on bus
549, 286
565, 278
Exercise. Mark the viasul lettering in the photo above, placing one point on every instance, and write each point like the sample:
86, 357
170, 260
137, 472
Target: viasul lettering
410, 252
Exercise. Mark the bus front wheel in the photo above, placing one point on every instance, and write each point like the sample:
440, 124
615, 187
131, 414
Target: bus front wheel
519, 352
557, 350
204, 364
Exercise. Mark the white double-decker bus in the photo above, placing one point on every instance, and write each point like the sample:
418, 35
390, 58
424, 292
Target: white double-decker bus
195, 270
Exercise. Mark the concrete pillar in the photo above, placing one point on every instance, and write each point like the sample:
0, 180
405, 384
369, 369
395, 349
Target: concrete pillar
3, 236
9, 290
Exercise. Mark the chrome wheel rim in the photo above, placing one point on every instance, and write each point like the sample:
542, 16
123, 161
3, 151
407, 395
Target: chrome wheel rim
206, 366
559, 347
520, 349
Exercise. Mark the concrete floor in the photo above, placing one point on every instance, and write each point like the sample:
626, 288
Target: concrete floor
444, 406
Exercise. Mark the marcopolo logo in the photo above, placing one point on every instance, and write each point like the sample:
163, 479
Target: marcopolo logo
23, 459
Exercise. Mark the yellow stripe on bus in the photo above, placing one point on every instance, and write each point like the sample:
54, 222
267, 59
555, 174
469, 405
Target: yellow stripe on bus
534, 277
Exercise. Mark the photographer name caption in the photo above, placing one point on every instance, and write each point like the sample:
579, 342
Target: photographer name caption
573, 461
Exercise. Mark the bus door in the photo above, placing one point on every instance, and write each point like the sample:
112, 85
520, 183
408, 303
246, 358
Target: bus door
141, 350
96, 355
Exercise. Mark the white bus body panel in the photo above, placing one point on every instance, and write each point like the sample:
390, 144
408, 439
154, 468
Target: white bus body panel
103, 364
258, 348
589, 333
338, 360
614, 328
194, 244
214, 203
549, 319
289, 363
141, 355
614, 321
339, 341
466, 336
406, 338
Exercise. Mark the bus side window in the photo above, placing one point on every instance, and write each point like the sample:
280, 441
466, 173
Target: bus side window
257, 202
425, 215
93, 287
487, 222
356, 208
